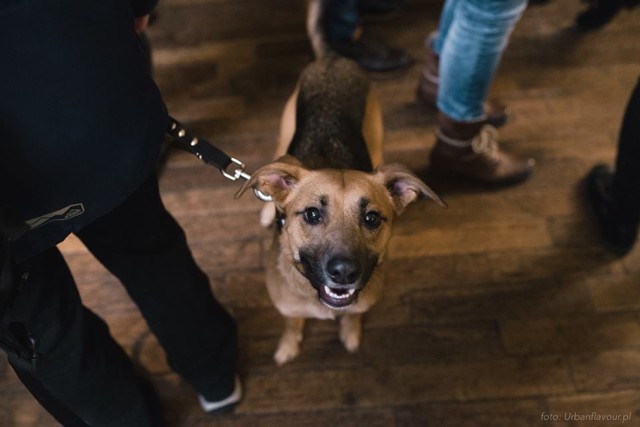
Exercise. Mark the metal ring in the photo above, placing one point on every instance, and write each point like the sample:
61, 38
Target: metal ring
262, 196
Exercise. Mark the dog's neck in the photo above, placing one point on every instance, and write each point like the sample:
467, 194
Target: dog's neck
346, 150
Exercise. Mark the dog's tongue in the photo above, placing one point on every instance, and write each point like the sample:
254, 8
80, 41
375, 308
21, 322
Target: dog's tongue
337, 298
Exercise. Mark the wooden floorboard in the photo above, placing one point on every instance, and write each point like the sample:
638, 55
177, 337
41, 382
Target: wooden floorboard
502, 310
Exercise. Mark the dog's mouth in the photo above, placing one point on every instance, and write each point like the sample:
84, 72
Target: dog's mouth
337, 297
338, 280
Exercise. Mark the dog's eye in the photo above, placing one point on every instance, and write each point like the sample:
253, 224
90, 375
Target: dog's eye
372, 219
312, 216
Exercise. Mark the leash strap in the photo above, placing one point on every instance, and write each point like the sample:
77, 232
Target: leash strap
211, 155
206, 152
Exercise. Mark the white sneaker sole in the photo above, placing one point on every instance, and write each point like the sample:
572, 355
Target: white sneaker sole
233, 398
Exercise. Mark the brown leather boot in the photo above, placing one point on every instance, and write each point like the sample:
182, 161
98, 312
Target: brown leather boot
471, 150
427, 92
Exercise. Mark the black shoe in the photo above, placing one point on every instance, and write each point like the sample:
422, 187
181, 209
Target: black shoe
619, 235
378, 10
537, 2
373, 56
600, 13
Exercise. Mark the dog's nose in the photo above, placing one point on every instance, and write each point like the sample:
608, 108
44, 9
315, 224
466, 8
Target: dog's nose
343, 271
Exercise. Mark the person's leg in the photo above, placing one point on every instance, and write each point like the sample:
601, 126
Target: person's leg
626, 181
64, 354
446, 19
142, 245
477, 32
341, 24
496, 113
378, 9
470, 53
615, 196
341, 20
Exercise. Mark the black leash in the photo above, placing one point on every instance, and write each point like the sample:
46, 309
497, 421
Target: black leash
211, 155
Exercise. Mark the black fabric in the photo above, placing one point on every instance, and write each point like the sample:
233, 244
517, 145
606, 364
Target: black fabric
142, 7
340, 20
614, 196
10, 229
81, 127
142, 245
626, 181
8, 274
81, 372
81, 121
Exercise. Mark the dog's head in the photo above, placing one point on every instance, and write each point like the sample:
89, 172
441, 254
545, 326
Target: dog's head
335, 224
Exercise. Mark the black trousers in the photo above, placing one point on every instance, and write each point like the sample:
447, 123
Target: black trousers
81, 375
626, 181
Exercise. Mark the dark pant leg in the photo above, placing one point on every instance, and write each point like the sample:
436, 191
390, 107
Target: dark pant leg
626, 181
340, 19
81, 375
141, 244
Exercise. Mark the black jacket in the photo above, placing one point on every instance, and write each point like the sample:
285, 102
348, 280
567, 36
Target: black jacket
81, 120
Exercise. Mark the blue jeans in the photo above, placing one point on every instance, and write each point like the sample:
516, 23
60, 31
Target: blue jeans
471, 37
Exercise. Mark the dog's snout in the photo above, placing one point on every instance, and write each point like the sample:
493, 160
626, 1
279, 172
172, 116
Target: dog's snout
343, 271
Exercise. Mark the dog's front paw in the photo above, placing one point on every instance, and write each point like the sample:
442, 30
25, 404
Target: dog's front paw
350, 340
350, 332
268, 214
289, 345
286, 352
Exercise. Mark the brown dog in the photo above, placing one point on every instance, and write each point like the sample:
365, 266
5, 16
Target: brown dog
333, 211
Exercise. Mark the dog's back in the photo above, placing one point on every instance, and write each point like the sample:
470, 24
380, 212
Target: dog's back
330, 112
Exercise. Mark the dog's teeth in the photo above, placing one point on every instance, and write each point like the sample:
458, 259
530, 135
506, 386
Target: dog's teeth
332, 294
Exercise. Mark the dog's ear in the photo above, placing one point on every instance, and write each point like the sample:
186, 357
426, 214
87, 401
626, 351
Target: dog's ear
276, 179
404, 186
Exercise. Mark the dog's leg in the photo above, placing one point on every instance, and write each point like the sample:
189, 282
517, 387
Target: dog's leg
267, 214
287, 124
289, 345
372, 129
350, 331
315, 9
287, 129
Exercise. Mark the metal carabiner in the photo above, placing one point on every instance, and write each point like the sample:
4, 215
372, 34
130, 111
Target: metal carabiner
240, 173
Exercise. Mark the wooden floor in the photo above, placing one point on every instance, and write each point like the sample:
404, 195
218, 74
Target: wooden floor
502, 310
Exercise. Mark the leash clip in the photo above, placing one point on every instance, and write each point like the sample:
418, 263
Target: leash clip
240, 173
211, 155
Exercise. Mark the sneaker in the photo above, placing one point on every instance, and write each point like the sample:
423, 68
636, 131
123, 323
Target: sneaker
225, 405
